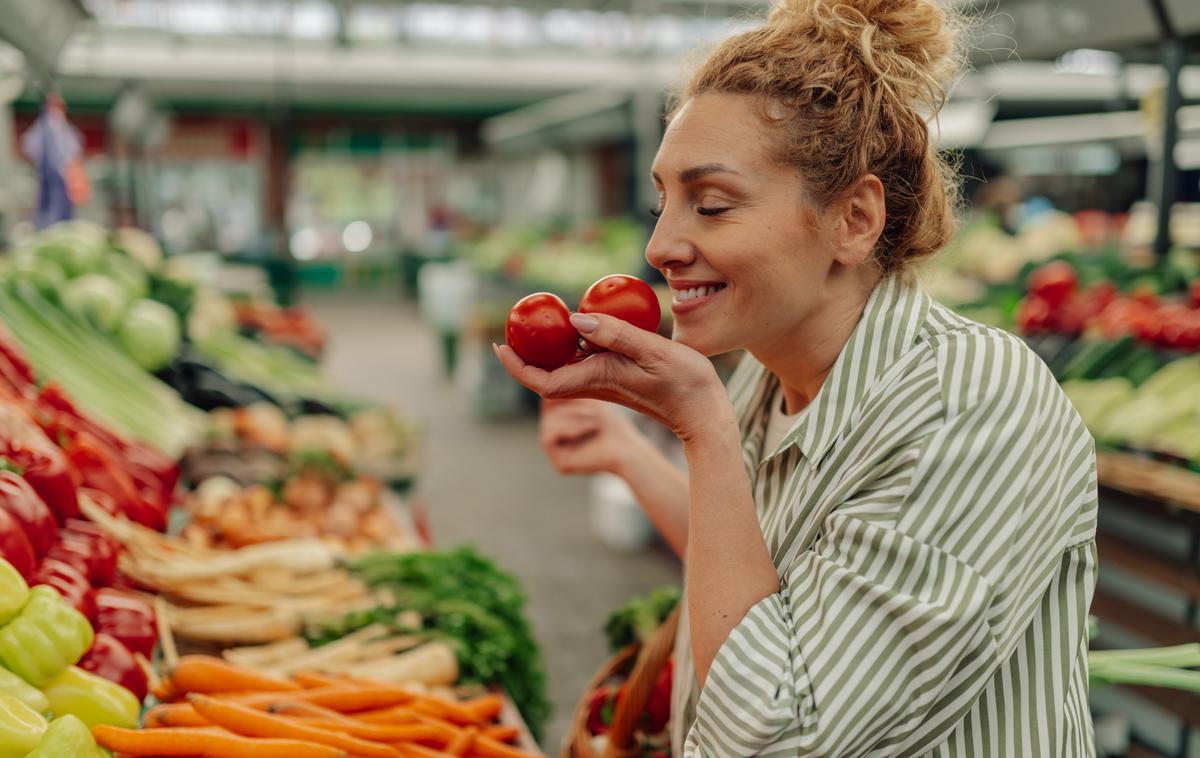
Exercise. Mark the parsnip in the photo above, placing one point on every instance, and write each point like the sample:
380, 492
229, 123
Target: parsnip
434, 663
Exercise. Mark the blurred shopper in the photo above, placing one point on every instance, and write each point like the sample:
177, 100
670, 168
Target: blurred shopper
56, 148
888, 519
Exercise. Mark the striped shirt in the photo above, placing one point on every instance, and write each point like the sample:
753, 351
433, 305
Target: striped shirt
932, 517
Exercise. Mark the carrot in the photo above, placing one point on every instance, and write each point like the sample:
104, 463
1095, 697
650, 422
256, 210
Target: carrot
377, 732
252, 723
341, 698
206, 674
463, 742
502, 733
412, 750
490, 748
445, 731
174, 714
485, 707
445, 709
311, 680
305, 710
205, 743
396, 714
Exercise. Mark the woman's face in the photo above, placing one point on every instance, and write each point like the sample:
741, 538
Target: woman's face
745, 269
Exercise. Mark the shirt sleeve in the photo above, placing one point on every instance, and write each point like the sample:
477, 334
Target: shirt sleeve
885, 633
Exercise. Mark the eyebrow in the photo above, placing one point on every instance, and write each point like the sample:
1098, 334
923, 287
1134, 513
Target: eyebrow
689, 175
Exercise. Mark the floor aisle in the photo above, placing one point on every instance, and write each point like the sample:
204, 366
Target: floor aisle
488, 484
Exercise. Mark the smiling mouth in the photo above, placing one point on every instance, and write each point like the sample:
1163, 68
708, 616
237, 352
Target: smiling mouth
692, 293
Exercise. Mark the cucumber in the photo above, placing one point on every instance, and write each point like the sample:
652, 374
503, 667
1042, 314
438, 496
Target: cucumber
1090, 360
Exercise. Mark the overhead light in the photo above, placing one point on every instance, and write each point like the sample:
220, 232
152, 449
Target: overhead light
357, 236
306, 244
1088, 61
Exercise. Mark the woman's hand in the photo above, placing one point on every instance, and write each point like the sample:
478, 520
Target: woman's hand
667, 381
587, 436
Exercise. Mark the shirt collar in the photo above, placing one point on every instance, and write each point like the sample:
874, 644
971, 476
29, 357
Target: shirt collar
887, 328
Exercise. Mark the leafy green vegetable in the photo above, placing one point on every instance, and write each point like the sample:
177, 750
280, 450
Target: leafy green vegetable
97, 374
320, 462
150, 334
639, 619
465, 599
98, 299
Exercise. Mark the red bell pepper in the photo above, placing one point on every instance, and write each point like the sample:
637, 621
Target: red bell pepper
128, 619
163, 470
70, 583
602, 708
111, 660
42, 463
14, 545
104, 549
75, 554
658, 707
19, 499
101, 471
15, 371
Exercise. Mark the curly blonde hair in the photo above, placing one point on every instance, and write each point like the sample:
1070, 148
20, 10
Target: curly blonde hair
848, 84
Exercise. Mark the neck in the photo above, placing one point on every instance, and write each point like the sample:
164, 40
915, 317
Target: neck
803, 356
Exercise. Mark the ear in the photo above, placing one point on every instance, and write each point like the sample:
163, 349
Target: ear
863, 211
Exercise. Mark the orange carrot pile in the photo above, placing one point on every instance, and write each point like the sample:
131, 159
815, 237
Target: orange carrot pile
221, 710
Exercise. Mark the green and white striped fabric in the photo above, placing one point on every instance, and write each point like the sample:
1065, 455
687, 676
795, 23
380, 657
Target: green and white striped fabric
932, 516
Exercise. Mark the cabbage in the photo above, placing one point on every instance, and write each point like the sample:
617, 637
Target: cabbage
129, 274
45, 275
150, 334
77, 246
139, 246
96, 298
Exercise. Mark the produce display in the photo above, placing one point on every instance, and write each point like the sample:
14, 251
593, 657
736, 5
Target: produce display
42, 638
212, 707
1119, 328
539, 329
633, 625
562, 260
275, 553
292, 327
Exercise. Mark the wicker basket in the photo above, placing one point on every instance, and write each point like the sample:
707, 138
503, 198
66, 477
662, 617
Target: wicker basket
643, 663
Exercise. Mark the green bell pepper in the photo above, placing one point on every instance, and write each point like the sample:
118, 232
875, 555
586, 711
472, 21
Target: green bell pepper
14, 592
67, 735
21, 728
48, 636
92, 699
11, 684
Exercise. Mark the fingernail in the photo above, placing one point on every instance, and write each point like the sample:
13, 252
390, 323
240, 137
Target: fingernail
583, 322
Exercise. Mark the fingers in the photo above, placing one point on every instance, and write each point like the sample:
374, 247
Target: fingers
617, 335
557, 429
588, 378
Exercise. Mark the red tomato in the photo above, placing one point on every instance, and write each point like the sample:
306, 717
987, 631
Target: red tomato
539, 330
1194, 293
1053, 282
1034, 315
625, 297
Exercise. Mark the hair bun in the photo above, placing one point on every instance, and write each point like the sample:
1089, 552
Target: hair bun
911, 45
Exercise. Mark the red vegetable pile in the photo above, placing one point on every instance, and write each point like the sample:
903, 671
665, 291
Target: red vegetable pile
1055, 303
51, 456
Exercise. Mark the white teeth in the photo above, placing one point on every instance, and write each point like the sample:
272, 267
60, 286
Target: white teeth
682, 296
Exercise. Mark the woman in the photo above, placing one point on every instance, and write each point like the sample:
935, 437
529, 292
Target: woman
888, 519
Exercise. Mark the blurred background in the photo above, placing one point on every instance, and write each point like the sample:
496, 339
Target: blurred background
383, 179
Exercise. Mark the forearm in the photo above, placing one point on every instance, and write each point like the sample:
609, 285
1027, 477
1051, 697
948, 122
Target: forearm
729, 567
661, 488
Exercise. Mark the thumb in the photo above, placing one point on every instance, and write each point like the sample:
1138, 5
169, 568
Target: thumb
614, 334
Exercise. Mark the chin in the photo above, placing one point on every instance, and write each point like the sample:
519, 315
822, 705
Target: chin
703, 344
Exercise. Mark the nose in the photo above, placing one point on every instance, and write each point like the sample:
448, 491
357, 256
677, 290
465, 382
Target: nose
668, 248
